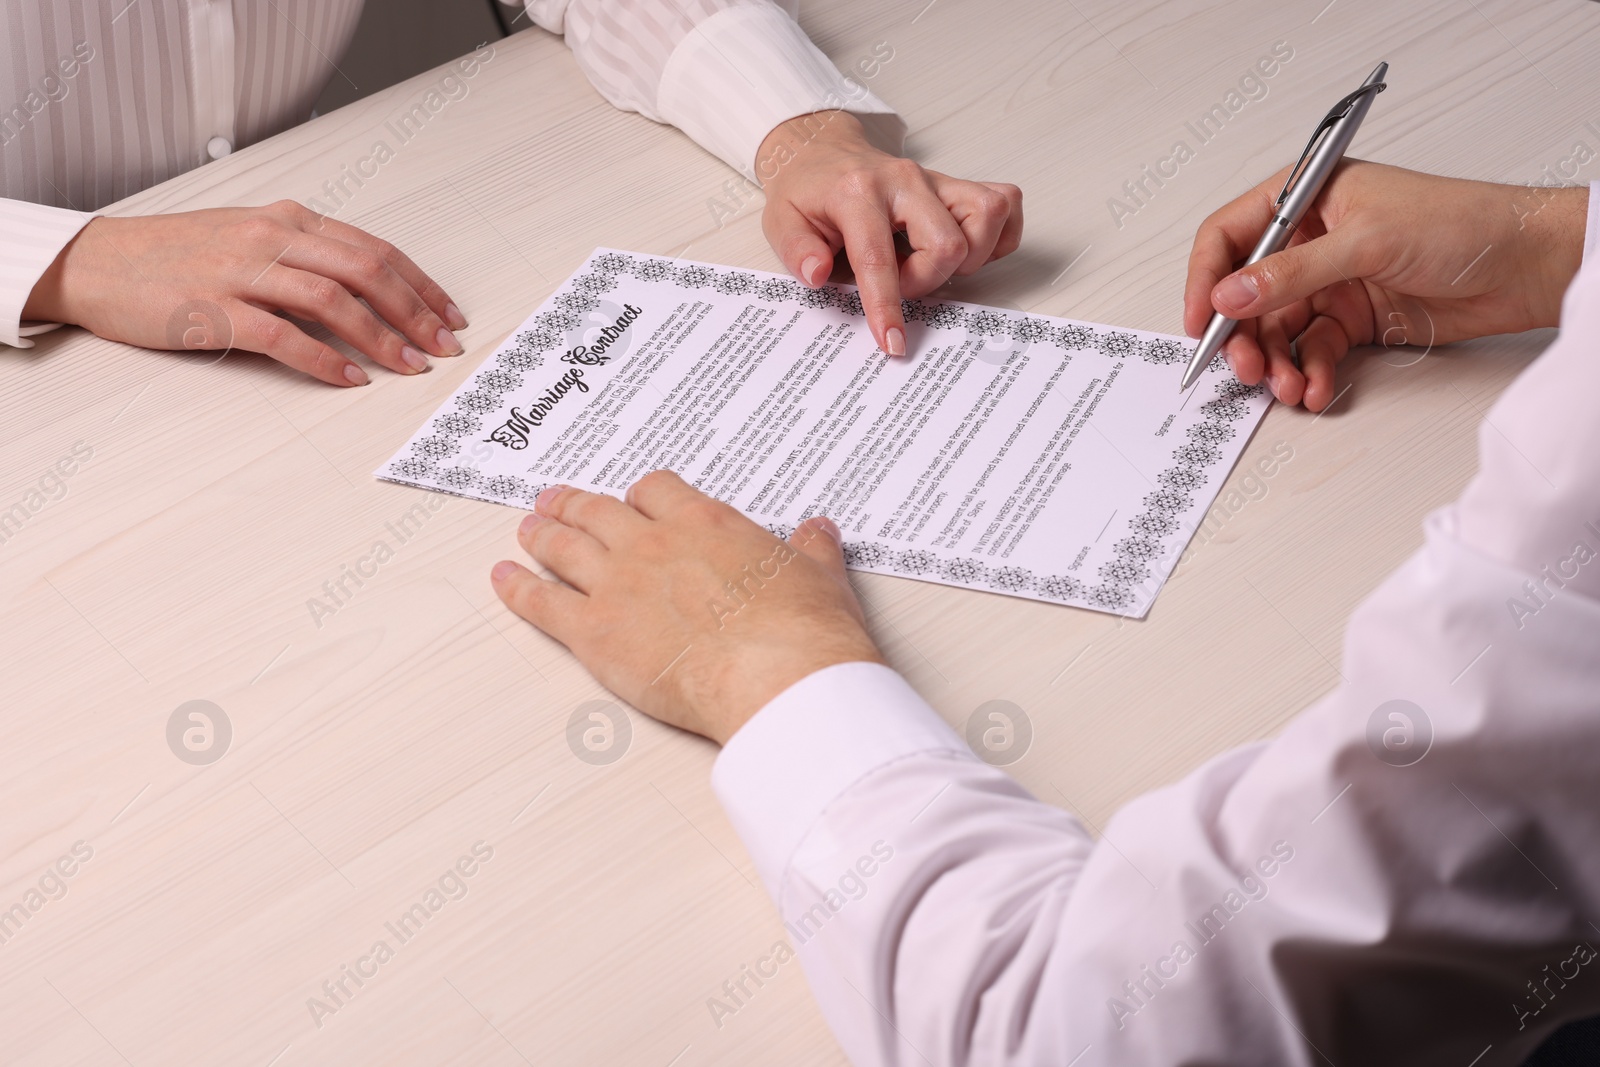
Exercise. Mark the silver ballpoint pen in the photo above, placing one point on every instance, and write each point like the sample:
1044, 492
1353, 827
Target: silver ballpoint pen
1322, 153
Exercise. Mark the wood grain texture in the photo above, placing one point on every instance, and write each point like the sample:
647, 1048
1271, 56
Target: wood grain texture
372, 751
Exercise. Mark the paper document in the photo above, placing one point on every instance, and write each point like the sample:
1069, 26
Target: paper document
1019, 454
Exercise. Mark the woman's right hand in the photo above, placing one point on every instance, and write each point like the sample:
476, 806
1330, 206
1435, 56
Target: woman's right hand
1385, 256
213, 279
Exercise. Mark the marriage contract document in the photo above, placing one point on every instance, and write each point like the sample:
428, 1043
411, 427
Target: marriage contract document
1020, 454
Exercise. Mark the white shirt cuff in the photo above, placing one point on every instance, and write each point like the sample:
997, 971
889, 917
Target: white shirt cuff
743, 71
812, 742
34, 237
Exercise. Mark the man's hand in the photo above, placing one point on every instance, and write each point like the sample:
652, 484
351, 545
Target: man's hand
126, 279
682, 606
1385, 256
832, 190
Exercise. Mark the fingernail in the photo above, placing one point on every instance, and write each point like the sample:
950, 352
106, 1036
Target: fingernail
1237, 291
454, 318
826, 525
448, 343
414, 359
549, 494
503, 570
529, 521
355, 375
808, 270
894, 341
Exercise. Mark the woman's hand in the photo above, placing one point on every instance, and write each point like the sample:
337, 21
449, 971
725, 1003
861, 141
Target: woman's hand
131, 279
832, 189
682, 606
1385, 256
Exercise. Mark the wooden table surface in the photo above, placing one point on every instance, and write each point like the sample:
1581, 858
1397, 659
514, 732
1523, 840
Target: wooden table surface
374, 749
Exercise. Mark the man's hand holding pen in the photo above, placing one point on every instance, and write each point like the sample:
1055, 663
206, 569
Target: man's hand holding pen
1384, 256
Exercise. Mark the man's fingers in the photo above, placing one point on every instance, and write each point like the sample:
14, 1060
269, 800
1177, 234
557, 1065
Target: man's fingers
803, 250
369, 275
1282, 375
255, 330
1243, 353
818, 538
660, 493
570, 554
869, 241
1352, 306
602, 517
432, 292
1223, 240
319, 299
1294, 274
1211, 258
550, 606
1343, 317
1322, 345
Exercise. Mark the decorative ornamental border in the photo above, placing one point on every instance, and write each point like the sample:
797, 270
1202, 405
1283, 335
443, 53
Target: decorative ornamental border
1146, 531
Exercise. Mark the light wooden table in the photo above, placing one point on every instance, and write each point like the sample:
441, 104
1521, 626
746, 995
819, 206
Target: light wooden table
370, 753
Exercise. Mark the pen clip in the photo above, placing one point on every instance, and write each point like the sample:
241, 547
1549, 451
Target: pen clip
1331, 119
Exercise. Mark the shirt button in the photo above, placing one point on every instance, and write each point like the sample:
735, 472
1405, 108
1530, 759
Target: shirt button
218, 147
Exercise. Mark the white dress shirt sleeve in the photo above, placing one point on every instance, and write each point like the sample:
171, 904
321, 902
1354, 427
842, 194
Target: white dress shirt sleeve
34, 236
1409, 874
725, 72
